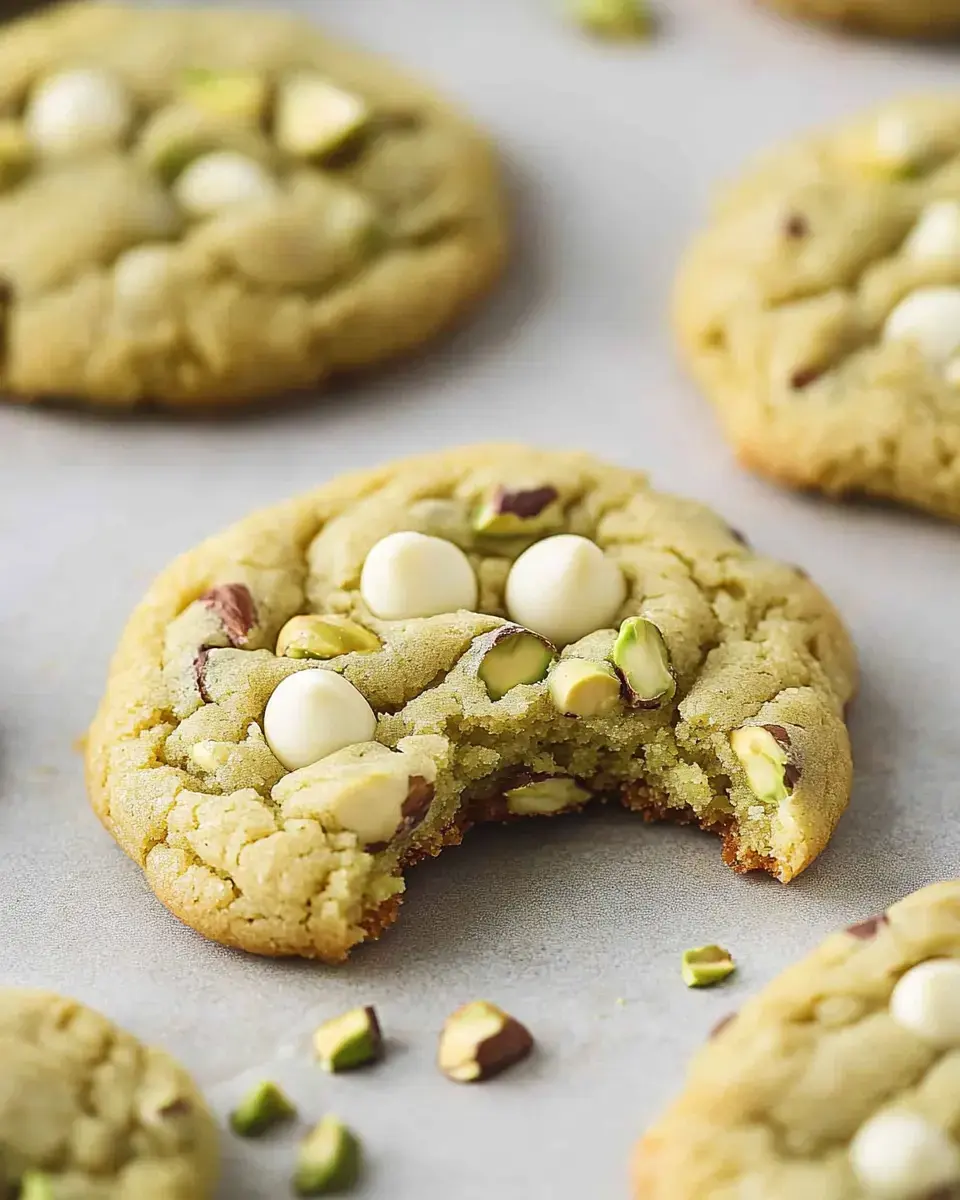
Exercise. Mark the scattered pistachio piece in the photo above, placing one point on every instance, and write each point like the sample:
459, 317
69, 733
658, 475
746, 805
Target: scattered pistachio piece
545, 796
705, 966
328, 1159
479, 1041
619, 20
349, 1041
16, 154
237, 95
35, 1185
518, 512
324, 637
314, 118
643, 663
764, 754
262, 1108
581, 688
512, 655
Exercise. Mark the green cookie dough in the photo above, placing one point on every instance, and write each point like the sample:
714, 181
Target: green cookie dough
88, 1113
202, 208
820, 308
310, 861
836, 1082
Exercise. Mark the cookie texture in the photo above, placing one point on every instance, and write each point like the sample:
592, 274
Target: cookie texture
275, 808
906, 18
820, 308
203, 208
837, 1081
89, 1112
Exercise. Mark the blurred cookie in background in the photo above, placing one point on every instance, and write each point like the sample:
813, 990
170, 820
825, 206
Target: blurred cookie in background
903, 18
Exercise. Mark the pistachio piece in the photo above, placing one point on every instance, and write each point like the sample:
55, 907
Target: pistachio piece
545, 796
328, 1159
263, 1107
764, 754
220, 180
349, 1041
706, 965
518, 512
235, 607
642, 661
324, 637
15, 153
236, 95
618, 20
313, 714
314, 118
479, 1041
35, 1185
581, 688
511, 656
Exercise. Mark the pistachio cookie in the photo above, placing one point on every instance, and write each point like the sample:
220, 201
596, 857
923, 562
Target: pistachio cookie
332, 689
905, 18
88, 1113
839, 1081
820, 310
205, 207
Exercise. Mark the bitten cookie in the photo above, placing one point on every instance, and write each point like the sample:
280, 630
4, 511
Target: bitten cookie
839, 1081
87, 1113
335, 688
820, 309
906, 18
201, 208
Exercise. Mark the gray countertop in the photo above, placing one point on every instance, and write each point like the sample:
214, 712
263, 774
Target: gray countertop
576, 925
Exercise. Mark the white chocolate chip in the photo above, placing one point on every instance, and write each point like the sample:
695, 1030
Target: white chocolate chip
210, 756
220, 180
899, 1156
313, 714
926, 1000
77, 112
929, 318
413, 575
896, 141
142, 275
936, 233
565, 587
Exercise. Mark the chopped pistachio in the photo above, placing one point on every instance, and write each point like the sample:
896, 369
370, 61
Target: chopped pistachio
546, 796
328, 1159
581, 688
479, 1041
705, 966
764, 754
512, 655
643, 663
16, 154
619, 20
519, 512
314, 118
349, 1041
262, 1108
35, 1185
236, 95
326, 636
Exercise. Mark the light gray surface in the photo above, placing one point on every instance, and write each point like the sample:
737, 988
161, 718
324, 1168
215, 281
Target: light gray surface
611, 152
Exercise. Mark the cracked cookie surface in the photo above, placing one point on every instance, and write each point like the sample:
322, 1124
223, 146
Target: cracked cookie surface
906, 18
204, 208
820, 309
837, 1081
274, 800
93, 1114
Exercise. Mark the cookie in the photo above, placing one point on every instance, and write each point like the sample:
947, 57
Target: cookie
905, 18
88, 1113
839, 1081
820, 309
333, 689
202, 208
